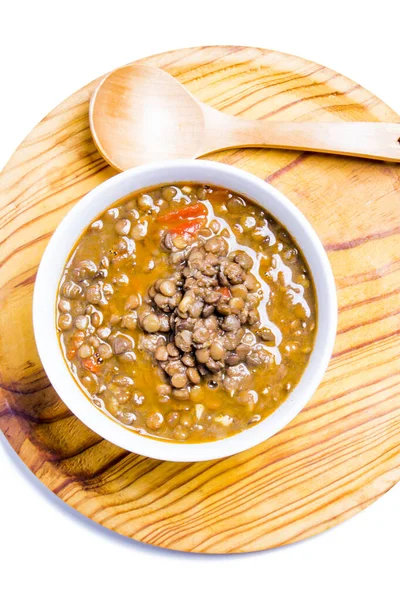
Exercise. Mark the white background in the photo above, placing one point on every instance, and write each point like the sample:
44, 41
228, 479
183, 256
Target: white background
47, 51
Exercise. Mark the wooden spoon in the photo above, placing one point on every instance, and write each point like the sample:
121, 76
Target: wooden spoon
140, 114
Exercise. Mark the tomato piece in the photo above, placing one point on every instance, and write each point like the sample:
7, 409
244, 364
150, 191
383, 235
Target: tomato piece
71, 353
225, 292
188, 226
91, 364
77, 338
187, 212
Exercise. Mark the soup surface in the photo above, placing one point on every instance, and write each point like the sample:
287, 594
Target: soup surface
186, 312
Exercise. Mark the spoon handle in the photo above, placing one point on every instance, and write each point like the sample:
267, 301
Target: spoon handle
379, 141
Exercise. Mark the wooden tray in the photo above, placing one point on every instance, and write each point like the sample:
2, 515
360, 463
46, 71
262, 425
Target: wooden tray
342, 451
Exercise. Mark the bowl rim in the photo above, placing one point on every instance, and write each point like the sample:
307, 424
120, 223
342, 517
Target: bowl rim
64, 239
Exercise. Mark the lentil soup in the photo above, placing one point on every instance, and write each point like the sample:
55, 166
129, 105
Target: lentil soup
186, 312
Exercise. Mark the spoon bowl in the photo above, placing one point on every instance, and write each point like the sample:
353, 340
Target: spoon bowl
139, 114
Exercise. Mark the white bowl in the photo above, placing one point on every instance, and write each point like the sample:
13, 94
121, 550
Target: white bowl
95, 202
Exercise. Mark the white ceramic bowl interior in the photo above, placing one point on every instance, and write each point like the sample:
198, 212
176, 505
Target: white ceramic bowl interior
95, 202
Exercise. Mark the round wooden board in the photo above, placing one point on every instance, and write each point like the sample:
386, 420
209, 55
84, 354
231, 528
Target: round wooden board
342, 451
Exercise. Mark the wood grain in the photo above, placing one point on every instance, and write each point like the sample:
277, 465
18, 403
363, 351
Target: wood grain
342, 451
